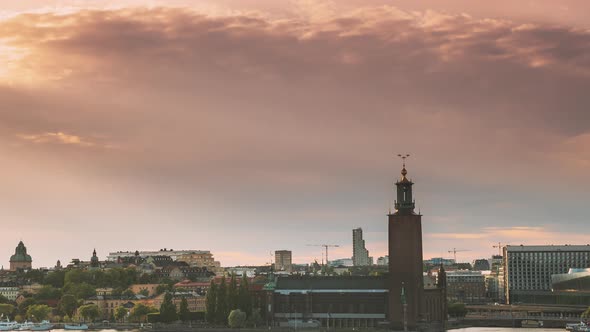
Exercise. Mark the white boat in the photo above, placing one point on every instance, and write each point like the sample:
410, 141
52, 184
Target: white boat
577, 327
7, 325
76, 327
43, 326
531, 323
26, 326
30, 326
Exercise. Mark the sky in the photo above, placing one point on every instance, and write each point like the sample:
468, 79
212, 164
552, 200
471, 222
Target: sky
244, 127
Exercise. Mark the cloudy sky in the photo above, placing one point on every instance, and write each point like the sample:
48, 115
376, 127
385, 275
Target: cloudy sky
247, 126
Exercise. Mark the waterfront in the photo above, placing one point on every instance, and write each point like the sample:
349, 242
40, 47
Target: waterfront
505, 329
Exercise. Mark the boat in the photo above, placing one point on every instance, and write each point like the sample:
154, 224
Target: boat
531, 323
76, 327
30, 326
43, 326
577, 327
7, 325
26, 326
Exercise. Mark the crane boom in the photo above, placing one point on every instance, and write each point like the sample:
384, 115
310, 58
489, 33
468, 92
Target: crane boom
455, 251
325, 246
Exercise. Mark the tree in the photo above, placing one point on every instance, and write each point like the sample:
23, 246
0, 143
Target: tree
89, 311
168, 309
236, 318
232, 293
586, 314
255, 318
24, 305
140, 312
144, 292
3, 299
81, 290
68, 304
38, 312
244, 297
120, 313
184, 312
163, 288
457, 310
6, 310
128, 293
48, 293
55, 278
221, 308
211, 303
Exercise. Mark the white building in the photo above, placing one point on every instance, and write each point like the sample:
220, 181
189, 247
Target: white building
10, 293
383, 261
341, 262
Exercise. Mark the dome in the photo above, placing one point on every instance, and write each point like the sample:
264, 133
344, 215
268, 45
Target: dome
20, 254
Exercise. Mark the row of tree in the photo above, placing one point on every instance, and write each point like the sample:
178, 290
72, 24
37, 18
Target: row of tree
225, 297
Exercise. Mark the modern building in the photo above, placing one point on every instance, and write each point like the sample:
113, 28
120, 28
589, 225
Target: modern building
575, 280
409, 303
383, 261
20, 260
360, 254
481, 265
283, 260
341, 262
466, 286
437, 261
528, 269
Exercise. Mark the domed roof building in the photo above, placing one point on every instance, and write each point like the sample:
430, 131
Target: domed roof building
20, 260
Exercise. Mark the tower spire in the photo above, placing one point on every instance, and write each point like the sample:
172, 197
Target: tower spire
404, 203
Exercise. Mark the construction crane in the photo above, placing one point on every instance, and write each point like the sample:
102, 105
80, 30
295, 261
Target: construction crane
455, 251
325, 246
500, 247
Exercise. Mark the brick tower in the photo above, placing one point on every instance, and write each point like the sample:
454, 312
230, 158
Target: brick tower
406, 284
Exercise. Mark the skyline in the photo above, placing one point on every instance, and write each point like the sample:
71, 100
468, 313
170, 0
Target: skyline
235, 126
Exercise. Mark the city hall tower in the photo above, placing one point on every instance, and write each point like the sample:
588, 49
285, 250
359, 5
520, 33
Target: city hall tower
406, 284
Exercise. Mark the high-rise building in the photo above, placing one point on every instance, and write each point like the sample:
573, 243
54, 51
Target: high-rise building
283, 260
406, 283
360, 254
528, 269
383, 261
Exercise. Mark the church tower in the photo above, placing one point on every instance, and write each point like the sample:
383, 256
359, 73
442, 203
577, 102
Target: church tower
406, 283
94, 263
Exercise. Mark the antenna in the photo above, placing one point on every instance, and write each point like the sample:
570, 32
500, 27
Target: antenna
403, 156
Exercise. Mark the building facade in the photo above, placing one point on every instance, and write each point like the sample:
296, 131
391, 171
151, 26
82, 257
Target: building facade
528, 269
283, 260
360, 254
174, 254
466, 286
10, 293
336, 302
20, 260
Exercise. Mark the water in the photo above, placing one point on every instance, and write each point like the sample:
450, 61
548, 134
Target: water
505, 329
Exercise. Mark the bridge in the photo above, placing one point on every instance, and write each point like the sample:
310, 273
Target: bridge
514, 315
